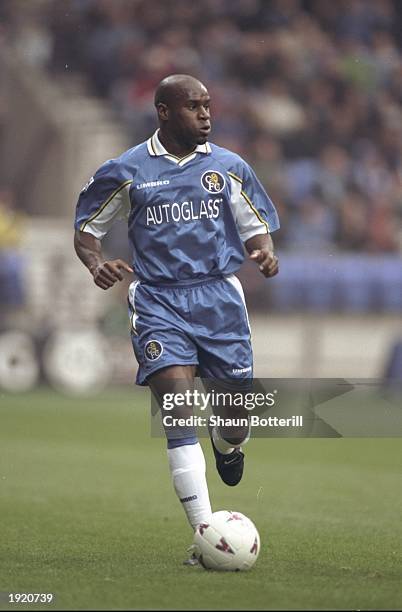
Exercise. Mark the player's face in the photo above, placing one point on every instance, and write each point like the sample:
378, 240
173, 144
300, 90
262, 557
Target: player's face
189, 116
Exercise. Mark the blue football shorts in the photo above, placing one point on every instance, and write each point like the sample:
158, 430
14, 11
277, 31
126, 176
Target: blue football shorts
203, 323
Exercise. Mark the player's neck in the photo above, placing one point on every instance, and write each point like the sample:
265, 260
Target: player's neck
173, 146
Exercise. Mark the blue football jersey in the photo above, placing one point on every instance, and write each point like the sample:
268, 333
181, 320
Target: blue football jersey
187, 217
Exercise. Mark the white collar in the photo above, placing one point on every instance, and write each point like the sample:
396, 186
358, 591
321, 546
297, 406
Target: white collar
156, 148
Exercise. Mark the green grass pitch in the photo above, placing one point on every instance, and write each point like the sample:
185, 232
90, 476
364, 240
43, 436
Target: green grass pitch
87, 512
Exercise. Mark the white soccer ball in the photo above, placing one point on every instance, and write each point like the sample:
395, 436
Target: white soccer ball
229, 541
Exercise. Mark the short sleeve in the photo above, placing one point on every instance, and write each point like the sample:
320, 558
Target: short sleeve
104, 199
252, 208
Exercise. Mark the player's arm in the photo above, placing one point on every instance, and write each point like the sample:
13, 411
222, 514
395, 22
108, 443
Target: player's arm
261, 250
255, 216
104, 272
104, 199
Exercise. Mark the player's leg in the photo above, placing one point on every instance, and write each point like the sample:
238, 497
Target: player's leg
167, 358
230, 430
230, 413
185, 455
226, 365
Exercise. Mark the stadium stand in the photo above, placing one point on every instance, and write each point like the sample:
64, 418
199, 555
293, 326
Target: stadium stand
308, 91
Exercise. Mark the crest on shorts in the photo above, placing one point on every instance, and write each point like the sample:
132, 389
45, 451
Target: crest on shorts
213, 181
153, 350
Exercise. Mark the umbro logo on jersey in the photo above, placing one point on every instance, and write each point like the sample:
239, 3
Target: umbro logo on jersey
153, 350
213, 181
152, 184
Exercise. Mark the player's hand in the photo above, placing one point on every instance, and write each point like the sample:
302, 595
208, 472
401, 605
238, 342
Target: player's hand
107, 273
268, 262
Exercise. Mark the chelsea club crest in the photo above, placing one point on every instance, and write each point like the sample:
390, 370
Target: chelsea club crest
153, 350
213, 181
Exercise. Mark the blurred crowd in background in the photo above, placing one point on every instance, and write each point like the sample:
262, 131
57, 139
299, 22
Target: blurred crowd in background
309, 92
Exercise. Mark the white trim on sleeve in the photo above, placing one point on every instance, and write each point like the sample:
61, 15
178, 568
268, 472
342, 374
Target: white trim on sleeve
117, 206
247, 217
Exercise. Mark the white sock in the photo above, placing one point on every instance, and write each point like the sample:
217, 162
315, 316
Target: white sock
222, 445
187, 466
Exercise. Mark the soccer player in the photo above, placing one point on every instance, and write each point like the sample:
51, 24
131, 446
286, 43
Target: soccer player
190, 206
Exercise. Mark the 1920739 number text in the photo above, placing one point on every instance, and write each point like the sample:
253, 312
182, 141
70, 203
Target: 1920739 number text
30, 597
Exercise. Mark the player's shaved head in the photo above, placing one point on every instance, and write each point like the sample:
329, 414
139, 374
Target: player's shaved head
182, 104
176, 86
